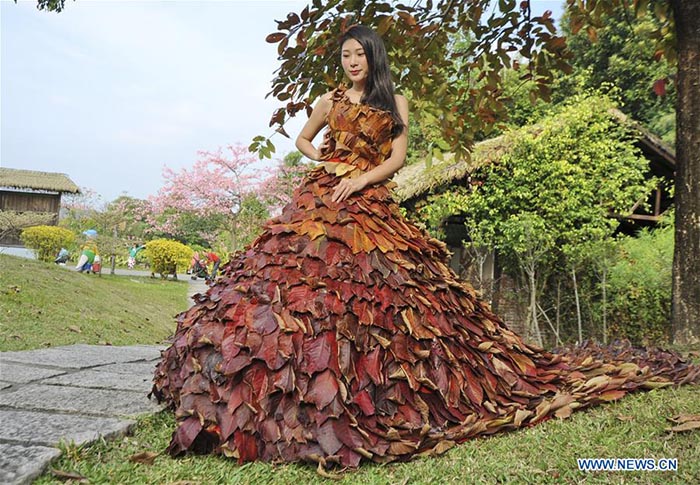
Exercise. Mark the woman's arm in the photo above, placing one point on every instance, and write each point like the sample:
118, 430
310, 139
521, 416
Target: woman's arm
385, 169
313, 125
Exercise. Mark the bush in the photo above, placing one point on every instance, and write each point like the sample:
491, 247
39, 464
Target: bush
47, 241
167, 256
640, 288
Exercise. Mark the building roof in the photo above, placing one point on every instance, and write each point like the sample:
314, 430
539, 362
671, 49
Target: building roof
416, 179
33, 180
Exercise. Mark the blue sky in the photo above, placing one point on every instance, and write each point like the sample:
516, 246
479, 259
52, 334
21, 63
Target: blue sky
110, 92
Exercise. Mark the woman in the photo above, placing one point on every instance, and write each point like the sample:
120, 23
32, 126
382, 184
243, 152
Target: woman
340, 334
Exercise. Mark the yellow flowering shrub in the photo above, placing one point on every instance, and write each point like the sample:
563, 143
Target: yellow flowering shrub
47, 241
167, 256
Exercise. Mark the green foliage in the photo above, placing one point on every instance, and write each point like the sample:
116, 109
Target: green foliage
623, 53
640, 287
439, 207
563, 173
548, 200
247, 225
47, 241
167, 256
580, 167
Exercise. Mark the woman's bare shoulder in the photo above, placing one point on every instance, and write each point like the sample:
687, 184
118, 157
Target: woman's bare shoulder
400, 100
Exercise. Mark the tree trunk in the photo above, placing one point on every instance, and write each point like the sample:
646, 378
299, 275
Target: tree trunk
558, 306
578, 307
686, 257
605, 304
533, 308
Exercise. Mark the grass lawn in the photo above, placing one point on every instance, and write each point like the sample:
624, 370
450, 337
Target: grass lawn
634, 427
42, 304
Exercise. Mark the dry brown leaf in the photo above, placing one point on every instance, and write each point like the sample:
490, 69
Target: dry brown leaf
687, 426
563, 412
60, 474
484, 346
683, 418
520, 415
443, 446
145, 457
622, 417
74, 328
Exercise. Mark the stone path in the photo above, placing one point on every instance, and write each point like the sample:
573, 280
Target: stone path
76, 393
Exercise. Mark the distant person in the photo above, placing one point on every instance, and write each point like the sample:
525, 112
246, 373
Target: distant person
216, 261
133, 252
62, 257
198, 267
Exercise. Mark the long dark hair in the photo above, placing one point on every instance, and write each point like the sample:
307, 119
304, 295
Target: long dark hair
379, 88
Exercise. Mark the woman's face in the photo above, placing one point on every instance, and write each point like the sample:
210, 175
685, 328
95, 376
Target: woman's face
354, 61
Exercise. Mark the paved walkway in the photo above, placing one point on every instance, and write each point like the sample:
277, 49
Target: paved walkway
76, 393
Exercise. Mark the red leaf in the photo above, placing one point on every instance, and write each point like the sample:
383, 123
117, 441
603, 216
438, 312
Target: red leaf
346, 433
185, 435
268, 350
660, 86
284, 379
275, 37
261, 319
364, 401
327, 439
322, 389
246, 445
317, 352
370, 365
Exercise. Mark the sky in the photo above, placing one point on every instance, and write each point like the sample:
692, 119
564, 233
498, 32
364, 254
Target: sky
109, 92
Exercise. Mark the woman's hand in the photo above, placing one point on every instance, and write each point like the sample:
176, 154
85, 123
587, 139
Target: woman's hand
348, 186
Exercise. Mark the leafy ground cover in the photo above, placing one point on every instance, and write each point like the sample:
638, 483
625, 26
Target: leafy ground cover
637, 426
42, 304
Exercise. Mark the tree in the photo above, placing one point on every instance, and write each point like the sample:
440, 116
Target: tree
550, 194
206, 198
622, 54
678, 40
50, 5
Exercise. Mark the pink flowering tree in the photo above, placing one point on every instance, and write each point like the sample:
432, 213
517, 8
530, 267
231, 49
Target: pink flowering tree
211, 200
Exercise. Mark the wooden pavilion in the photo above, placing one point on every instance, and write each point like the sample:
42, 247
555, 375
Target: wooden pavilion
31, 191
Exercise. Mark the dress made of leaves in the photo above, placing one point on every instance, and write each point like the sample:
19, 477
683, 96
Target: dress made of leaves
341, 334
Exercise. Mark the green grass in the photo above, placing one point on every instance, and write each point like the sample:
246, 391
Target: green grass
634, 427
42, 305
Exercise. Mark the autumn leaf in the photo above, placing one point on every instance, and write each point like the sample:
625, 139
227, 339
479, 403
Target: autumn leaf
144, 457
274, 38
72, 476
687, 426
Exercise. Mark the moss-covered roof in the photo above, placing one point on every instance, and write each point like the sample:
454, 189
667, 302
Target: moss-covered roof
33, 180
416, 179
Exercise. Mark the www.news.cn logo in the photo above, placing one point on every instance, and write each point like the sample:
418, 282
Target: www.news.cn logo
627, 464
